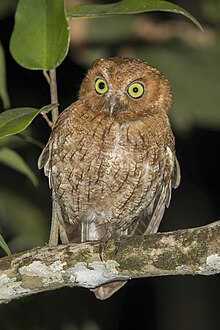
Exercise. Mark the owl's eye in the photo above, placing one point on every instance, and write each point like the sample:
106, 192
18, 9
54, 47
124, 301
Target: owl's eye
136, 90
101, 86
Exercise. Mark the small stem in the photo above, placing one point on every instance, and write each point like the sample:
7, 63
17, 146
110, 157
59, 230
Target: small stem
49, 122
53, 94
54, 230
46, 75
51, 79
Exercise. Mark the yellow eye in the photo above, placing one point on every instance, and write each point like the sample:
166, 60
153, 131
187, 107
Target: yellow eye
136, 90
101, 86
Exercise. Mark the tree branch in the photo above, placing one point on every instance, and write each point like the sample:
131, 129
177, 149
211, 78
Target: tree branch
52, 81
53, 94
187, 251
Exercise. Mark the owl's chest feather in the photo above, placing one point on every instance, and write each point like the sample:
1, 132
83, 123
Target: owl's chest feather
103, 147
105, 171
106, 157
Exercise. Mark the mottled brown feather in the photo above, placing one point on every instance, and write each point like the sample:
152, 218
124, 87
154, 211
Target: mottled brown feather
112, 173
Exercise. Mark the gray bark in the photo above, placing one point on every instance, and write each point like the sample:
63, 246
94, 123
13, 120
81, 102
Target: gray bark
193, 251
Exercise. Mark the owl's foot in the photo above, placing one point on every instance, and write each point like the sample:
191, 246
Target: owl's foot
117, 242
104, 241
101, 249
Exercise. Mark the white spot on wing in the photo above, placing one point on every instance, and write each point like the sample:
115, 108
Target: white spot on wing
170, 155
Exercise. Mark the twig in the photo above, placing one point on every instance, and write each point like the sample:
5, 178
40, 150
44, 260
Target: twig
46, 75
49, 122
53, 94
51, 79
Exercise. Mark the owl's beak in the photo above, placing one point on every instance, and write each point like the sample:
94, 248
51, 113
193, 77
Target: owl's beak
113, 106
111, 109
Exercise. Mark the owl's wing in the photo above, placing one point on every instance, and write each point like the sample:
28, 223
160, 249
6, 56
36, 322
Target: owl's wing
66, 231
58, 228
44, 162
150, 219
176, 174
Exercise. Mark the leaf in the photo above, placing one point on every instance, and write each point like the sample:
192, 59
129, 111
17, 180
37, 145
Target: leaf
3, 89
5, 247
128, 7
16, 120
12, 159
40, 39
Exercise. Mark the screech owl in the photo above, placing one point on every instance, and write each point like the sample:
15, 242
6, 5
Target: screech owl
111, 157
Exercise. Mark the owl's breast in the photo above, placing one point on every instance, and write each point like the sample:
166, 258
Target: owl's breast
106, 172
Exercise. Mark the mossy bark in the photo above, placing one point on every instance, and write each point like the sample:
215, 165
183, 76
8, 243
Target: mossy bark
187, 251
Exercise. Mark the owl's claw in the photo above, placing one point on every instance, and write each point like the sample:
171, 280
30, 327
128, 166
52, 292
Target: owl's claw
102, 246
117, 245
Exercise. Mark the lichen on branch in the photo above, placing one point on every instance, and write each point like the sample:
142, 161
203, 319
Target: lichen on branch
186, 251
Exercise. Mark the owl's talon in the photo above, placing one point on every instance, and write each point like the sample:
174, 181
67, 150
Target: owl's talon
101, 250
117, 246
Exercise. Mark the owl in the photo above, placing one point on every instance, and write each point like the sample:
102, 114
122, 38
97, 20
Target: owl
110, 158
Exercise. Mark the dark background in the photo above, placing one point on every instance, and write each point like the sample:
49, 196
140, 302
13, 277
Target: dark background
190, 60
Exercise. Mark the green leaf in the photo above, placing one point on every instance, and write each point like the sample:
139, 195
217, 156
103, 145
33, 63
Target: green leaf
128, 7
5, 247
16, 120
40, 39
3, 89
13, 160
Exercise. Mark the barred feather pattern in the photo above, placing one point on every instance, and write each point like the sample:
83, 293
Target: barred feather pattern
110, 159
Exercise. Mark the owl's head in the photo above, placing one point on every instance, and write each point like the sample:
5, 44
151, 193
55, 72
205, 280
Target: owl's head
125, 88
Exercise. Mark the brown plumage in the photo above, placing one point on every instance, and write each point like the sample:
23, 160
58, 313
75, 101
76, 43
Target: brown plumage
111, 157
